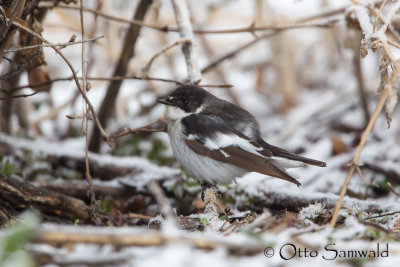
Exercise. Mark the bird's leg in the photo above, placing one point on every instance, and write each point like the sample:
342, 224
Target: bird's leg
204, 187
211, 197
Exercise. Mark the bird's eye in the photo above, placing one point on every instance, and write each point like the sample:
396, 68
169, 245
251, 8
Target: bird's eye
185, 101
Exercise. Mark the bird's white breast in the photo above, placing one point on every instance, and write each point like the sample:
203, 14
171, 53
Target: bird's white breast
200, 167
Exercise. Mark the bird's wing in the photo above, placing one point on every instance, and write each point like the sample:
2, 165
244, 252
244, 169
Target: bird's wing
213, 137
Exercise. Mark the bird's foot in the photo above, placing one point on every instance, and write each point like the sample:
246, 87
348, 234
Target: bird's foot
211, 197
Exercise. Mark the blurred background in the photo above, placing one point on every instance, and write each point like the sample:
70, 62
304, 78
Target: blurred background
311, 71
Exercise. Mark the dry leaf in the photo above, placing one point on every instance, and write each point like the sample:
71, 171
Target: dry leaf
39, 76
338, 146
391, 102
384, 63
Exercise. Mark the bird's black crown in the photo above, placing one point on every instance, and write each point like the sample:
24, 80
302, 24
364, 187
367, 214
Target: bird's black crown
187, 97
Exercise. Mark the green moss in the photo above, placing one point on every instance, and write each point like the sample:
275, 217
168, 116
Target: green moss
152, 148
10, 168
204, 221
107, 205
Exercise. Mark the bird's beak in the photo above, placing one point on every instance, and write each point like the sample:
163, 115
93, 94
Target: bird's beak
164, 101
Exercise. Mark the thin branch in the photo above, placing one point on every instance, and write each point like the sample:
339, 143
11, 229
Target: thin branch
355, 161
133, 216
90, 192
182, 17
379, 13
9, 22
253, 29
382, 215
107, 16
146, 69
158, 193
75, 77
392, 189
134, 77
117, 78
391, 175
389, 17
61, 45
393, 43
373, 184
233, 53
152, 238
53, 112
159, 125
392, 30
18, 96
247, 29
120, 69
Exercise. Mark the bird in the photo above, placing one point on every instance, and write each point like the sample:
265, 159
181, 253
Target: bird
216, 141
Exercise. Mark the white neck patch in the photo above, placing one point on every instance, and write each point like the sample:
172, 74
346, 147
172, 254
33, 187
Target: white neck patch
175, 113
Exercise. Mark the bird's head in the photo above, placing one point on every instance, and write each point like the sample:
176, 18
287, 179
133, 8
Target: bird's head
184, 101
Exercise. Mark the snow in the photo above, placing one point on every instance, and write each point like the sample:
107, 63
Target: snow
311, 212
144, 170
361, 14
327, 99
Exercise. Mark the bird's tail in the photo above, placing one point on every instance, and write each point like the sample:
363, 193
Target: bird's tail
281, 153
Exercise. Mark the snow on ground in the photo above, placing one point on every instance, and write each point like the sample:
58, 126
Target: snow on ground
307, 127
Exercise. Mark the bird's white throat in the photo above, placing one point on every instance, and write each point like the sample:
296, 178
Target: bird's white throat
175, 113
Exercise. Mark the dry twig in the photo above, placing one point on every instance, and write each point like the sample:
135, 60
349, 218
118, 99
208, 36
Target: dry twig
126, 53
151, 238
182, 17
61, 45
146, 69
75, 77
355, 161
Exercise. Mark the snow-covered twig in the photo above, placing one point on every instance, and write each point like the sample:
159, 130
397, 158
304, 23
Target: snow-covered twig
162, 200
137, 237
185, 30
389, 17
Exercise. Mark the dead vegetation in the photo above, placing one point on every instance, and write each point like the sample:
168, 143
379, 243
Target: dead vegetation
123, 174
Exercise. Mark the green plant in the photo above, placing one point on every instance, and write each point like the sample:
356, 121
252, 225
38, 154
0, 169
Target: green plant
13, 240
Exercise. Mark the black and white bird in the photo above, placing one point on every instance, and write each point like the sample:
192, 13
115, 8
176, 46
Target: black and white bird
216, 141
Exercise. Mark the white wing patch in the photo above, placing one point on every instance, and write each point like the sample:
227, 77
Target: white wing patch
225, 140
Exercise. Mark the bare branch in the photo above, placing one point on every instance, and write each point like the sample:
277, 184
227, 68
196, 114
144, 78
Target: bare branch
75, 77
18, 96
121, 68
356, 158
89, 179
389, 17
250, 29
61, 45
17, 11
159, 125
182, 17
132, 77
146, 69
162, 201
151, 238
